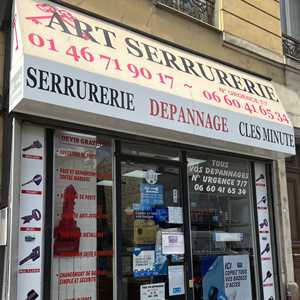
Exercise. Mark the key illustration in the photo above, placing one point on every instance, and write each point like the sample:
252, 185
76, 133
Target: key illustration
268, 275
35, 215
34, 255
29, 238
32, 295
261, 176
263, 200
266, 250
264, 223
37, 179
34, 145
67, 233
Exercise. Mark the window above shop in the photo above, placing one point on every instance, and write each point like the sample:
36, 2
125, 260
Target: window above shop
202, 10
290, 23
291, 47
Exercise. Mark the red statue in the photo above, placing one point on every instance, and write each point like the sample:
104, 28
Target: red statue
67, 234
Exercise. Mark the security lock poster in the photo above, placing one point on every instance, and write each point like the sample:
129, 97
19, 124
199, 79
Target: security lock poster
226, 278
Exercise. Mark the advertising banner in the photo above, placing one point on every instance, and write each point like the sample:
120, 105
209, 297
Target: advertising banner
263, 225
226, 278
74, 262
68, 63
31, 218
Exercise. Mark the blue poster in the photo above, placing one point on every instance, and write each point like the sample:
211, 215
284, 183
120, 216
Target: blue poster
143, 262
149, 262
213, 278
161, 263
226, 277
158, 214
151, 195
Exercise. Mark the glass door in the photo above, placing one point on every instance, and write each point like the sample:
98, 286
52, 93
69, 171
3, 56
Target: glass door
222, 227
152, 241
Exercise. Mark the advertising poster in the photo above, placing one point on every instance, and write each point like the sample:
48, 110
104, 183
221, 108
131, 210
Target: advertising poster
176, 280
263, 226
226, 278
74, 263
151, 195
153, 291
31, 218
143, 262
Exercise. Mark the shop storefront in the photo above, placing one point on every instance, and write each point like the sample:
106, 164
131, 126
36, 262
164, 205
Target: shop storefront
140, 171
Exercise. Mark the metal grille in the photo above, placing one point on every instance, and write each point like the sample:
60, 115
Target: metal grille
202, 10
291, 47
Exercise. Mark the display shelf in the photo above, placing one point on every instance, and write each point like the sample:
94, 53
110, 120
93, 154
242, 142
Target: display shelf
215, 253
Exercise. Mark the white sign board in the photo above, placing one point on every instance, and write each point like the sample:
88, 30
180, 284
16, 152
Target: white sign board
237, 277
64, 74
153, 291
175, 215
227, 277
176, 280
172, 243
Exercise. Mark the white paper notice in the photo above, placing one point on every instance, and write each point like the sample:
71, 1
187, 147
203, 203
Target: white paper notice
175, 215
176, 280
153, 291
172, 243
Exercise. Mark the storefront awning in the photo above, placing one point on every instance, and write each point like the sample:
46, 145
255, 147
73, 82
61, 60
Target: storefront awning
72, 67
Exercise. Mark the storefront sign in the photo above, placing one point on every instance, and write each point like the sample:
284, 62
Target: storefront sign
226, 277
70, 66
263, 225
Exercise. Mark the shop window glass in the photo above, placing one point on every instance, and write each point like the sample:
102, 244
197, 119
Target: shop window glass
153, 257
153, 150
82, 261
221, 227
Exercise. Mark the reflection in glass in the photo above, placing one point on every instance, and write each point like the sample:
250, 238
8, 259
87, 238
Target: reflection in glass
219, 193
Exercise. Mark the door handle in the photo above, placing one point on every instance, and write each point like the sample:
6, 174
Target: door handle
296, 254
